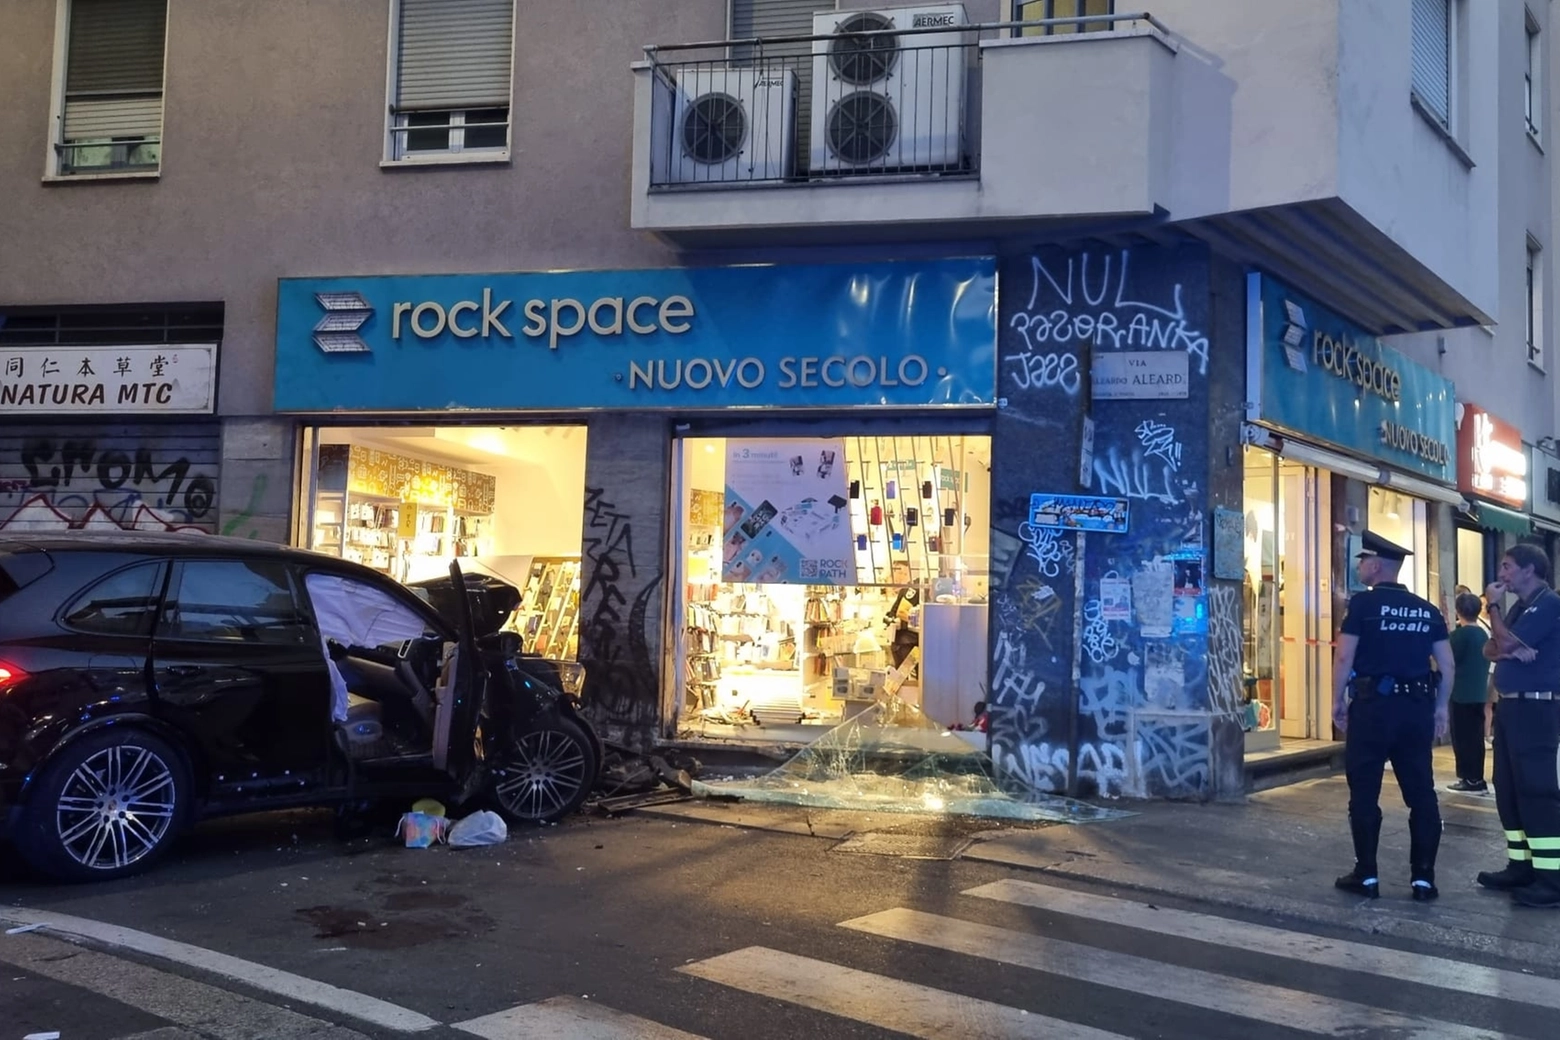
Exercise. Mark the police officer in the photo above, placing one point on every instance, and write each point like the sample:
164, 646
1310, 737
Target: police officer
1391, 708
1525, 646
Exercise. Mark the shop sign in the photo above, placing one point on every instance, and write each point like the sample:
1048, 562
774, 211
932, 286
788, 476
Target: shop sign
1315, 373
1491, 462
1079, 513
165, 379
1140, 375
890, 334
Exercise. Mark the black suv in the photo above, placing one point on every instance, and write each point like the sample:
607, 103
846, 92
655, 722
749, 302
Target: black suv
150, 680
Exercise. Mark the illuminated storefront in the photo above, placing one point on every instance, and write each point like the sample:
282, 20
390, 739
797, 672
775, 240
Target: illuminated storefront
751, 500
1492, 472
1344, 433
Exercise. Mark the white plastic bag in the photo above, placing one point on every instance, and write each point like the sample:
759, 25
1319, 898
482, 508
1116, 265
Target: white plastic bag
480, 828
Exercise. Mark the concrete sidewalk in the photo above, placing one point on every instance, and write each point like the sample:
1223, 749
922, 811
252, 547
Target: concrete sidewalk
1273, 854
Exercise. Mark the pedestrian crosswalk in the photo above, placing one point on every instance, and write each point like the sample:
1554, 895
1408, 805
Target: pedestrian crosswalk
1471, 1001
1014, 958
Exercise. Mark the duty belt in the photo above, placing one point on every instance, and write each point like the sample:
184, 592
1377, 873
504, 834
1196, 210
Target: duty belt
1531, 695
1370, 686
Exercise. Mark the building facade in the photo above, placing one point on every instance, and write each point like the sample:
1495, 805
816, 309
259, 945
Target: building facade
789, 356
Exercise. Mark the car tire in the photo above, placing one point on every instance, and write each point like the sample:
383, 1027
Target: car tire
106, 806
547, 774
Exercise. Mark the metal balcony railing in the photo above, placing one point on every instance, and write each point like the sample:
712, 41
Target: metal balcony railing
867, 101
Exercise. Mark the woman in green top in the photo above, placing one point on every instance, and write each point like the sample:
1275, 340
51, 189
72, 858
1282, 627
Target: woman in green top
1470, 683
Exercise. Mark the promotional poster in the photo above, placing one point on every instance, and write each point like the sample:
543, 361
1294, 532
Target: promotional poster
787, 517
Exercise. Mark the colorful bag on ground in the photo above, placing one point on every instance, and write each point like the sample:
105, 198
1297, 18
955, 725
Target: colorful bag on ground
421, 830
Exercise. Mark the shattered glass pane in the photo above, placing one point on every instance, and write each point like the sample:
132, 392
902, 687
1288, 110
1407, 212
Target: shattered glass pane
891, 758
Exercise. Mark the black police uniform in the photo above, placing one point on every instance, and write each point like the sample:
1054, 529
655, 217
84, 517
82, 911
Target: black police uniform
1527, 742
1392, 719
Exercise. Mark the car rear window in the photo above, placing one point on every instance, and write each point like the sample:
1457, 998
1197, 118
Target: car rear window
19, 568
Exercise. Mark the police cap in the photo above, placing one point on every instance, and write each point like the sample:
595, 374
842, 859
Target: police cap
1372, 544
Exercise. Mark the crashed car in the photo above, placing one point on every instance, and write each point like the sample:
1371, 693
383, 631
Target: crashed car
151, 680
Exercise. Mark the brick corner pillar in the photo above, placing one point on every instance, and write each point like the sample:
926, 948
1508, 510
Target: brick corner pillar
622, 575
1115, 656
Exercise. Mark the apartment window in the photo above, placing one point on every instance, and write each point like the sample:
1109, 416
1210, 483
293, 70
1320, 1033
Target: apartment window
1039, 10
1535, 304
1532, 80
110, 118
1432, 57
450, 78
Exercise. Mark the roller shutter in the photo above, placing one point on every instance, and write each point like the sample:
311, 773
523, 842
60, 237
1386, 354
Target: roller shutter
454, 54
114, 69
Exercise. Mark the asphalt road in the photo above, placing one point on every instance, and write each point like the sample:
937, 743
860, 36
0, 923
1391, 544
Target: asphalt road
708, 930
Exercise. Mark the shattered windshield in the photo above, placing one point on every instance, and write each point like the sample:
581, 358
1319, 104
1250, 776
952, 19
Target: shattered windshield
891, 758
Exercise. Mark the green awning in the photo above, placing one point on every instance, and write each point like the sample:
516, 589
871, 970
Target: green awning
1497, 518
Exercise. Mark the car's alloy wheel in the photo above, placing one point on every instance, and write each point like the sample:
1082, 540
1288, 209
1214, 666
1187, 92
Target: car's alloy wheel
116, 807
547, 774
107, 804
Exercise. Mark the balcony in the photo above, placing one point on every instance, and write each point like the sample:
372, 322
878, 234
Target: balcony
880, 130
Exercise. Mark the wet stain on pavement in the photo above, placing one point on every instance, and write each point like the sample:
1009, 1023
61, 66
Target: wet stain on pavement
392, 928
363, 929
424, 899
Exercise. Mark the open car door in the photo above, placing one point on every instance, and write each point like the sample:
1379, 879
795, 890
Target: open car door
463, 694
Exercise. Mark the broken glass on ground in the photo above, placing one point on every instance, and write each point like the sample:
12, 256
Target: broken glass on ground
891, 758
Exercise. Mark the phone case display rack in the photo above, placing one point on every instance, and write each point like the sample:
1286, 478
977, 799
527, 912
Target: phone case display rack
357, 527
906, 506
548, 617
379, 509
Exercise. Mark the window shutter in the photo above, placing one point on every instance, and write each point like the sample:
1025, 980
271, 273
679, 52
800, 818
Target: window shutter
774, 18
454, 54
771, 18
114, 69
1432, 56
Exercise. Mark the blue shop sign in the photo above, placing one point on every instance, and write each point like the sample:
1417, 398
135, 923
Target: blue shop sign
889, 334
1320, 375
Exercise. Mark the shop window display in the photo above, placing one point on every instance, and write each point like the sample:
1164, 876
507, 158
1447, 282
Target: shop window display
1287, 592
507, 502
825, 576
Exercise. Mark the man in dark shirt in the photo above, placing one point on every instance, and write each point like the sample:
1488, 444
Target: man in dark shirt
1469, 695
1391, 708
1525, 646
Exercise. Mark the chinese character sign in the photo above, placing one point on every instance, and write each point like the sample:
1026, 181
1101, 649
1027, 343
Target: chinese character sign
161, 379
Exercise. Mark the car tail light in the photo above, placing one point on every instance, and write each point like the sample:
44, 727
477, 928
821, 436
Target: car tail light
10, 675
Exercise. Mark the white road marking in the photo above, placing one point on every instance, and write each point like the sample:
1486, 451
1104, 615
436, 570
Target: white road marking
1192, 987
861, 996
1398, 965
257, 976
211, 1013
569, 1018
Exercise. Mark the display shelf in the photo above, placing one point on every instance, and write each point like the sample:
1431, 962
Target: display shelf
548, 615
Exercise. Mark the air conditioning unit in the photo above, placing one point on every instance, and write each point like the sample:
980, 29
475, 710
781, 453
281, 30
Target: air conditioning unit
732, 125
889, 101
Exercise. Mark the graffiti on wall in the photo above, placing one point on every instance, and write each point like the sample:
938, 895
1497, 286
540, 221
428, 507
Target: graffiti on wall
153, 481
615, 598
1086, 300
1225, 642
1150, 639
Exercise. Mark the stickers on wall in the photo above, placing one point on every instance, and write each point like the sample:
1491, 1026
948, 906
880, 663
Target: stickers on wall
787, 519
1229, 549
1115, 598
1153, 595
1079, 513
